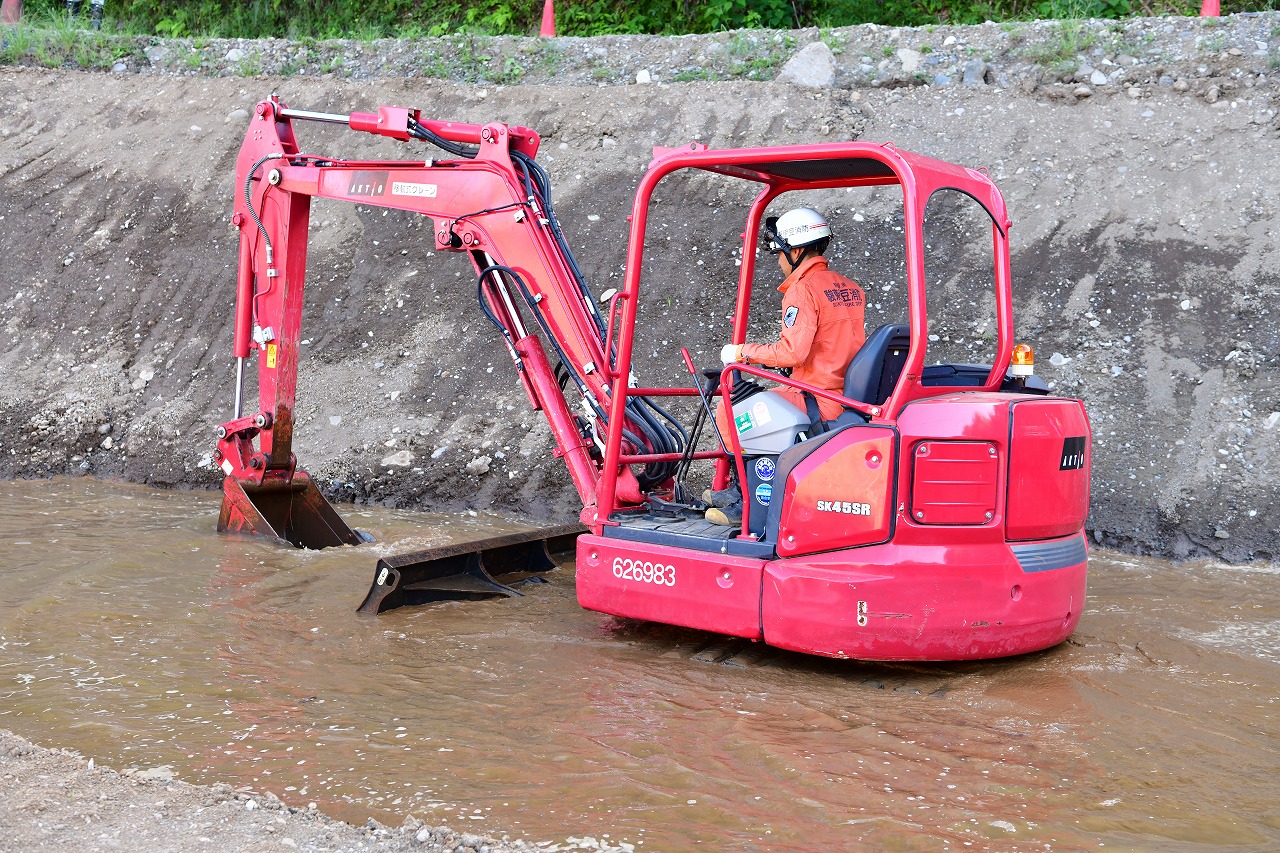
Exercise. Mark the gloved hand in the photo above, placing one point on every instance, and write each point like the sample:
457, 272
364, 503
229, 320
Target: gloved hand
730, 353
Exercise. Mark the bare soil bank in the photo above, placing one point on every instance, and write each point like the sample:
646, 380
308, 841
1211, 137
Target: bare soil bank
1140, 176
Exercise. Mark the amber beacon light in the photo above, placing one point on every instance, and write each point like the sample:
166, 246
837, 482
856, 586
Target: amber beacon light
1023, 363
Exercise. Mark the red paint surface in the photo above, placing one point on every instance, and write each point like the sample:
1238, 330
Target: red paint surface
1045, 501
713, 592
841, 495
935, 602
954, 482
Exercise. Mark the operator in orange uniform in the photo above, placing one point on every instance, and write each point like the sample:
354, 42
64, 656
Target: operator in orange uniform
822, 329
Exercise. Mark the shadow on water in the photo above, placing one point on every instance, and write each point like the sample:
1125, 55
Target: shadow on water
133, 633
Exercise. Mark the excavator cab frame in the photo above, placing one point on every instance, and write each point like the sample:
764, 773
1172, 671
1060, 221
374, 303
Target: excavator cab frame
913, 531
781, 170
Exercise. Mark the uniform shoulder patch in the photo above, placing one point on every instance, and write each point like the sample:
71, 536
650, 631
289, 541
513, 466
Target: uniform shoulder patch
789, 319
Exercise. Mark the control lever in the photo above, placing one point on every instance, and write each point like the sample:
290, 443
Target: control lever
714, 376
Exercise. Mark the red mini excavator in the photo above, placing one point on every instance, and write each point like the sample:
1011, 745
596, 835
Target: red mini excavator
940, 517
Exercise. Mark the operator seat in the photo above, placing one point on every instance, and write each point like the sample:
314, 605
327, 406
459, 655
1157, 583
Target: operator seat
873, 372
875, 367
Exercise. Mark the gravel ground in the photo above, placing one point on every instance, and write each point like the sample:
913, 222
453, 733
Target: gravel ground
56, 800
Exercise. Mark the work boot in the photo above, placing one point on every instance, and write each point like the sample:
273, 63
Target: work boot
97, 16
73, 9
722, 497
728, 516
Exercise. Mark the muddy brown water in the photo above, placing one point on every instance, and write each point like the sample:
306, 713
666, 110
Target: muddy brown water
132, 632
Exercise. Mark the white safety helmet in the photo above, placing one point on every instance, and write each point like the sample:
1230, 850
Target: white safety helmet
794, 229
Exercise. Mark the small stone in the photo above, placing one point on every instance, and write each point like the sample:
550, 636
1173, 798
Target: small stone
910, 59
236, 116
1134, 92
1235, 51
1181, 85
479, 465
163, 773
156, 53
1221, 534
1097, 78
107, 443
948, 41
975, 73
1058, 359
813, 66
105, 429
1166, 80
234, 55
1212, 94
119, 67
643, 76
1082, 91
402, 459
1126, 59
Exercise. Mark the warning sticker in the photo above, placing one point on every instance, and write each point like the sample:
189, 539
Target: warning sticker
271, 355
743, 422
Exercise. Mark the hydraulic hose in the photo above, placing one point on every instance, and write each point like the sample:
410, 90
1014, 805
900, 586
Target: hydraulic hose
457, 149
653, 434
248, 201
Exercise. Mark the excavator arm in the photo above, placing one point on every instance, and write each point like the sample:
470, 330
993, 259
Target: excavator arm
487, 198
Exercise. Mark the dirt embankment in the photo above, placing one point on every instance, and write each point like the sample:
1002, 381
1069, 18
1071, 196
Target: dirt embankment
1140, 175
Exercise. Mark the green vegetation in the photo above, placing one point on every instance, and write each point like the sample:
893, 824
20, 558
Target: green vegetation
50, 41
371, 19
1059, 52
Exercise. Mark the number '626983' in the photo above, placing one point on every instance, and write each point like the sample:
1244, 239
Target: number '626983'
644, 571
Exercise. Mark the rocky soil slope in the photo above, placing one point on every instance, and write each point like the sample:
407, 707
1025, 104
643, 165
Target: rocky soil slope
1137, 159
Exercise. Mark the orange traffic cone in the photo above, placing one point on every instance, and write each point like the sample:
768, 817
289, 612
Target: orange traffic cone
1210, 9
548, 20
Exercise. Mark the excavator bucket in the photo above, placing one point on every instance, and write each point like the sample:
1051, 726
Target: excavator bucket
465, 570
294, 511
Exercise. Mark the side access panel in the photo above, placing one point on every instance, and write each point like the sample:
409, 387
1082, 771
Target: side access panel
1050, 455
841, 495
675, 586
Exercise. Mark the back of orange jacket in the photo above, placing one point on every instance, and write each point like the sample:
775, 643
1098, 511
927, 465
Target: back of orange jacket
822, 329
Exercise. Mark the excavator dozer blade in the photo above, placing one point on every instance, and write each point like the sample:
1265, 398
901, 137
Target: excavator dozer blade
464, 570
295, 512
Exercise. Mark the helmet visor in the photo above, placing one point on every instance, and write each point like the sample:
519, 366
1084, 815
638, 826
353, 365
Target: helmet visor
769, 240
